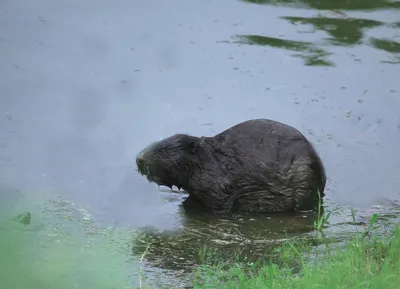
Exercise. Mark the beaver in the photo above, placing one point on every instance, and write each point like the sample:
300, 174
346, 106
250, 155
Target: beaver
256, 166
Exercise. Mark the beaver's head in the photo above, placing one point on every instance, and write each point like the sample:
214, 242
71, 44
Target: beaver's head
170, 161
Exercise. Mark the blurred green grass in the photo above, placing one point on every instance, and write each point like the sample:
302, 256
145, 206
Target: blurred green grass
61, 248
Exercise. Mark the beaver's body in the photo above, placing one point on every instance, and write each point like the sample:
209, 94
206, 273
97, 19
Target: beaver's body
256, 166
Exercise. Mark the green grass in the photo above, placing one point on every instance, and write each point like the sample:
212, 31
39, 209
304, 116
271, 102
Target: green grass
323, 218
58, 248
362, 262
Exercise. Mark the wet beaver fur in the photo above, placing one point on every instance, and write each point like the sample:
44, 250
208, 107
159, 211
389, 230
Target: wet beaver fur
257, 166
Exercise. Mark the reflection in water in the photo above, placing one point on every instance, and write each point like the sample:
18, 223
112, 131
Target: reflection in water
349, 32
254, 238
312, 55
342, 31
346, 31
386, 44
333, 4
243, 237
390, 46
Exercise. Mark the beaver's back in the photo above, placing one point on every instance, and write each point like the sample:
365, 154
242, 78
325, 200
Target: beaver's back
262, 140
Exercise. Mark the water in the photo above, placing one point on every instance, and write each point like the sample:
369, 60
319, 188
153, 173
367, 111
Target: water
85, 85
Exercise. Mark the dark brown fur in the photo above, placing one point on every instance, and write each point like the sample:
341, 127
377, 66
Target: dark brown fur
257, 166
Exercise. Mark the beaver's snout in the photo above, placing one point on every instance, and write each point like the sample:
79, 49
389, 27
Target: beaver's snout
147, 169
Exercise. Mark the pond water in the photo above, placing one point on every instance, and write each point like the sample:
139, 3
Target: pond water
85, 85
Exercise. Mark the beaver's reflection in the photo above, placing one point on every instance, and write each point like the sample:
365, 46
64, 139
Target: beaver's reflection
241, 236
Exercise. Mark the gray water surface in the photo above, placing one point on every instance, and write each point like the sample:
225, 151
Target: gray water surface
85, 85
